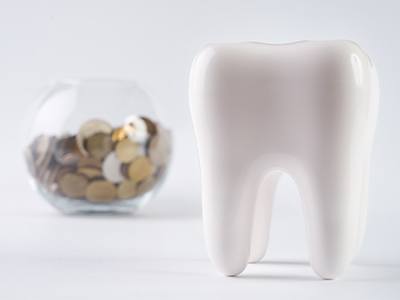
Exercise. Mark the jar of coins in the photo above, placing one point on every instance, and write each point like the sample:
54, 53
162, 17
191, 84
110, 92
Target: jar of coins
97, 146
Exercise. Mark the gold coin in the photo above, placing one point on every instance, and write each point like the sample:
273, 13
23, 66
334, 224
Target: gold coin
63, 170
126, 150
90, 128
146, 185
119, 134
101, 191
126, 189
150, 125
140, 169
90, 172
89, 162
73, 185
99, 145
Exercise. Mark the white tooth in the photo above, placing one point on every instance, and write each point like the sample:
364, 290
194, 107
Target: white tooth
307, 109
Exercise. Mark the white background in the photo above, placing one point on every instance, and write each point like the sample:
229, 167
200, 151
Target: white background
161, 252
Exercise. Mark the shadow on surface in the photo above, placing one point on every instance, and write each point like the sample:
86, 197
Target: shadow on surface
282, 277
285, 262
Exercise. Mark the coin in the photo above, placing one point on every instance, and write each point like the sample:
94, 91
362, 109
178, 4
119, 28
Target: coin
140, 169
63, 171
126, 150
66, 151
39, 148
90, 167
90, 172
49, 177
126, 189
101, 163
90, 128
136, 129
51, 167
73, 185
118, 134
146, 185
124, 170
150, 125
44, 159
160, 172
159, 148
101, 191
112, 168
89, 162
99, 145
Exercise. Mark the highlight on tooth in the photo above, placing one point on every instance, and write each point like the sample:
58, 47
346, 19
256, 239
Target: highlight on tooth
307, 109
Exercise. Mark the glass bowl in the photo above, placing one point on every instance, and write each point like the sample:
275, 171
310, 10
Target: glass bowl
97, 146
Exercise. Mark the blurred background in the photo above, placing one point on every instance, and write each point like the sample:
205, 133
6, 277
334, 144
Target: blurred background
154, 42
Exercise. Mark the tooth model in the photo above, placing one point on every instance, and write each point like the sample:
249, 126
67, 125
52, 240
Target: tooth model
306, 109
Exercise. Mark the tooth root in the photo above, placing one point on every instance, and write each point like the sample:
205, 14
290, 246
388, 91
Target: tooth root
333, 213
228, 215
262, 216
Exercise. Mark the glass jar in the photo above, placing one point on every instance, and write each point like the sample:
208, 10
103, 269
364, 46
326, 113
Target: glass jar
97, 146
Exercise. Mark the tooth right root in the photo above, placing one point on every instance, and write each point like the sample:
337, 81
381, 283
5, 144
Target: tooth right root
333, 223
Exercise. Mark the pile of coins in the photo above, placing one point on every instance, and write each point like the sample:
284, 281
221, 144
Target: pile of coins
101, 164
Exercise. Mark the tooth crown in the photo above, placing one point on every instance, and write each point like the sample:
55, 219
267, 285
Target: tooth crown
307, 109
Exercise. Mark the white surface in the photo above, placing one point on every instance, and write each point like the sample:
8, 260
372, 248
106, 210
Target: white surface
44, 256
53, 257
161, 255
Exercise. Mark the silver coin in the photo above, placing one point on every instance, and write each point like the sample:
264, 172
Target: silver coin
112, 168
